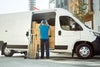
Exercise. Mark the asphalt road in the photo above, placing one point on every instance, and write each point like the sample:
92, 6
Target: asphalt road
56, 60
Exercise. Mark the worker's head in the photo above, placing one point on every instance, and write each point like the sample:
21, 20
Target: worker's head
44, 21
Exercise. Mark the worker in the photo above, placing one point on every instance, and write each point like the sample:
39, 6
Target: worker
44, 37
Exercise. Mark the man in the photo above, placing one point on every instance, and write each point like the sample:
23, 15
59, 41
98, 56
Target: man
44, 30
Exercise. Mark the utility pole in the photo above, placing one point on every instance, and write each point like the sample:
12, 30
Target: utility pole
32, 4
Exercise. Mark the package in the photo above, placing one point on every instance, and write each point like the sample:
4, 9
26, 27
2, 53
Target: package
52, 31
34, 24
32, 50
52, 42
37, 29
37, 40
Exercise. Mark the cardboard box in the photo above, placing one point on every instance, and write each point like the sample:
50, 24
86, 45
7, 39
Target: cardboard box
37, 29
32, 51
36, 39
52, 31
52, 42
34, 24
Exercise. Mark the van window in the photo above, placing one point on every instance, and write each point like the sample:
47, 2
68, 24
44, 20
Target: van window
49, 16
67, 23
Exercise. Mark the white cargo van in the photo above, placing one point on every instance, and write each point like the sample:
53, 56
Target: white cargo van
13, 28
70, 34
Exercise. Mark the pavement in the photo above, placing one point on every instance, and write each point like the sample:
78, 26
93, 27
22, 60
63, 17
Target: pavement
56, 60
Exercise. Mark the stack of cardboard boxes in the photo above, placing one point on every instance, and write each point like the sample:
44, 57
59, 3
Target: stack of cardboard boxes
52, 37
33, 45
36, 39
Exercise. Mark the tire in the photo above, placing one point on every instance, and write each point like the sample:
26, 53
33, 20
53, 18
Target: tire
84, 51
7, 52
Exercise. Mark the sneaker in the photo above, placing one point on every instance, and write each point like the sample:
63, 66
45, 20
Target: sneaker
42, 57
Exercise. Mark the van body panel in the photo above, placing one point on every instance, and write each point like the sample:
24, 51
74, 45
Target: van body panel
13, 28
87, 35
68, 38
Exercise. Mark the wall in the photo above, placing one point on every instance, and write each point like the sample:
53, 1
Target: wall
97, 21
96, 18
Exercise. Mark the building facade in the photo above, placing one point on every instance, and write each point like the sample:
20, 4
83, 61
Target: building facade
58, 4
72, 6
62, 4
96, 15
87, 15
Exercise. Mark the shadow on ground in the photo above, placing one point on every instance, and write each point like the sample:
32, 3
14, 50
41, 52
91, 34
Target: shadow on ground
60, 58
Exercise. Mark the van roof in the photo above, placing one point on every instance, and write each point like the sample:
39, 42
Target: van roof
46, 10
60, 10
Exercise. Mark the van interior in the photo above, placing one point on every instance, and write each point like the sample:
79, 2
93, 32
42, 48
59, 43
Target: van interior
36, 20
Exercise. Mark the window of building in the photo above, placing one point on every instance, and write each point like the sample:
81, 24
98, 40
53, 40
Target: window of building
72, 0
63, 1
68, 24
91, 5
85, 2
98, 28
73, 9
66, 3
58, 3
62, 4
99, 5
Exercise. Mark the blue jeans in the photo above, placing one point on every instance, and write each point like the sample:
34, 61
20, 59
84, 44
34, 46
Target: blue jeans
45, 42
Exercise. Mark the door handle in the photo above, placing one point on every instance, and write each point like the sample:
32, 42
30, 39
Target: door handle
59, 32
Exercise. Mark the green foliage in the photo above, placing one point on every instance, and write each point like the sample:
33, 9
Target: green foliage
81, 10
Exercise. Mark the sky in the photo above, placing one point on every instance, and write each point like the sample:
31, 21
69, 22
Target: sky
11, 6
42, 4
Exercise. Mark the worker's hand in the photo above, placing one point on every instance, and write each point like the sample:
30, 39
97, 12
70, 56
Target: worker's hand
47, 23
41, 23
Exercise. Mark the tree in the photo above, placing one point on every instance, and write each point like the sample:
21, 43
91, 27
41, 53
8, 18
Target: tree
80, 12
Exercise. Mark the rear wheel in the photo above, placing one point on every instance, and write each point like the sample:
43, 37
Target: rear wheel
7, 52
84, 51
